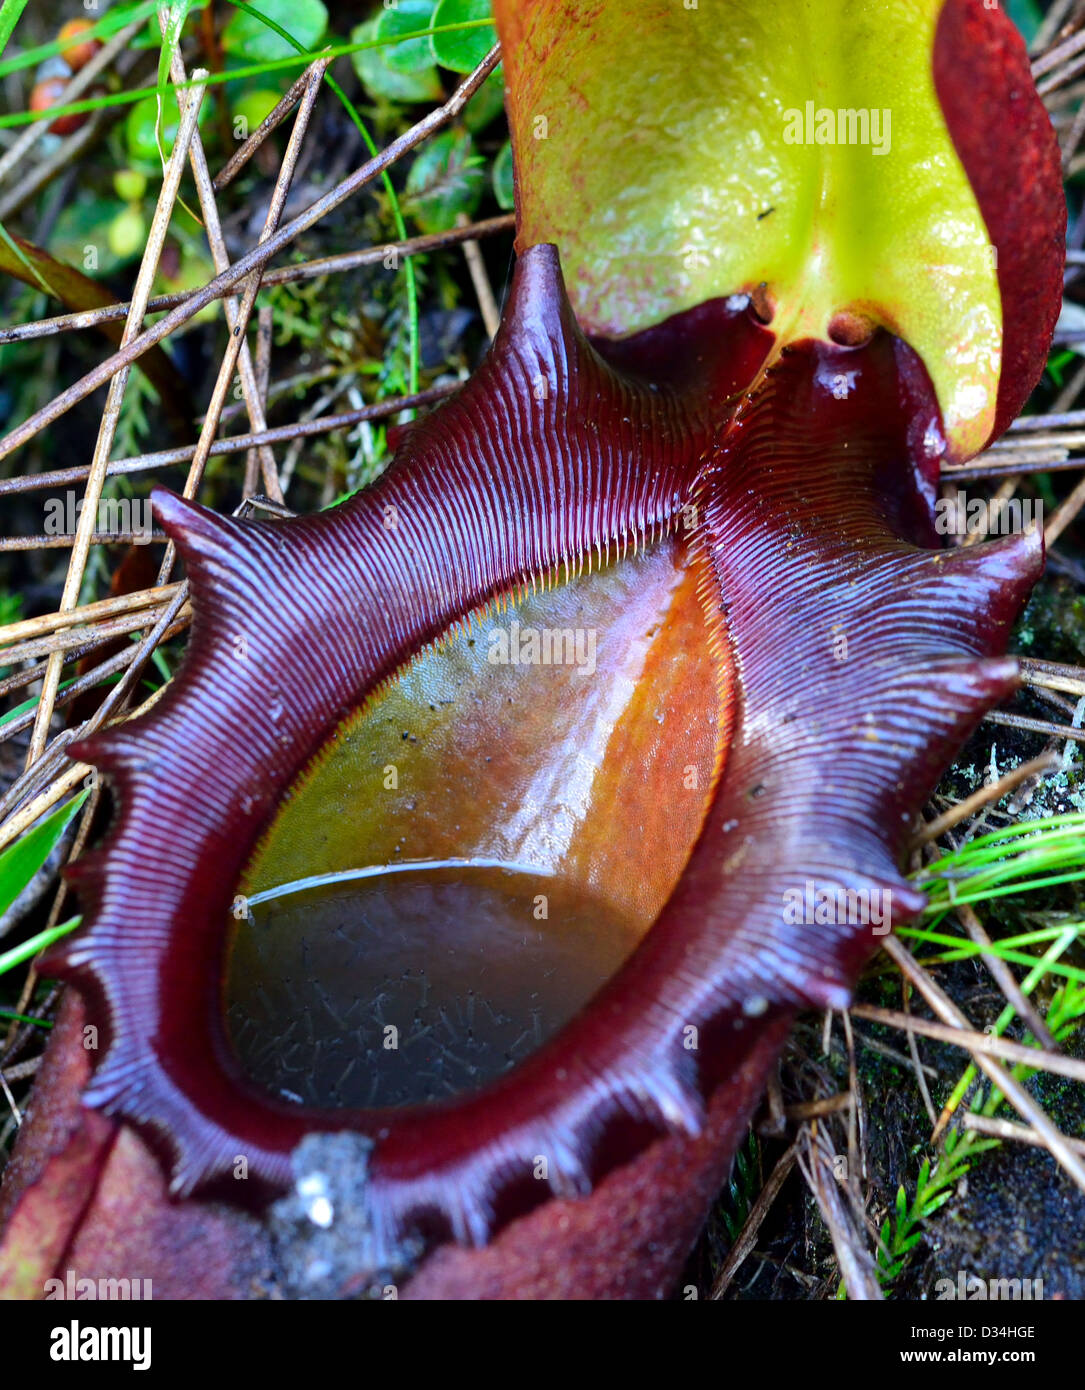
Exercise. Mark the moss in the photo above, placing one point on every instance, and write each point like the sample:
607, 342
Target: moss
1016, 1216
1053, 623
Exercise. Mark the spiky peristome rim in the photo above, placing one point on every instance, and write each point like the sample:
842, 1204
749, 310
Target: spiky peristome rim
799, 492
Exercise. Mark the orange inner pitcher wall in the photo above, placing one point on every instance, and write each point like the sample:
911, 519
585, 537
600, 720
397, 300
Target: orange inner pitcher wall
574, 771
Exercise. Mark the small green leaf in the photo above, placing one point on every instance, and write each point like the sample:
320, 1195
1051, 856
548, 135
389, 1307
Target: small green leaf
85, 222
142, 120
249, 110
936, 1202
445, 180
22, 860
407, 17
462, 51
247, 36
127, 234
130, 184
504, 191
380, 80
35, 273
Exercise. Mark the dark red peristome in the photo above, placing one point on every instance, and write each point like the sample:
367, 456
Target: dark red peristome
1005, 141
798, 491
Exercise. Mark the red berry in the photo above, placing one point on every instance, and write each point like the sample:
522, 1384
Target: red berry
50, 92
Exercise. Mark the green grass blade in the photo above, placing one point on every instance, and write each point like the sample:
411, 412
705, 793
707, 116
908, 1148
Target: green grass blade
9, 17
26, 1018
27, 949
28, 705
299, 60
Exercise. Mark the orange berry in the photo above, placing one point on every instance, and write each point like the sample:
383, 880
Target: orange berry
75, 50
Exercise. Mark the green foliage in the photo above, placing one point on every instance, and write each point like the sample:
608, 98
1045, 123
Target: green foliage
117, 18
150, 36
11, 607
85, 222
1027, 15
25, 1018
380, 80
27, 705
11, 610
407, 17
1057, 364
18, 865
1066, 1012
462, 49
445, 180
27, 950
127, 234
248, 36
133, 424
742, 1187
252, 109
393, 198
9, 17
487, 104
1020, 858
902, 1231
380, 39
130, 184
